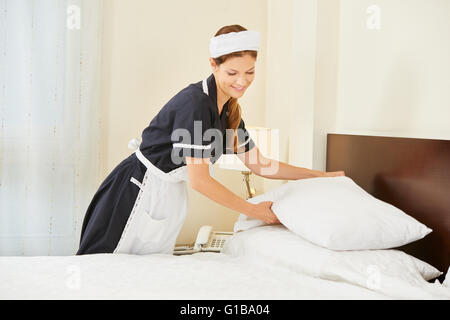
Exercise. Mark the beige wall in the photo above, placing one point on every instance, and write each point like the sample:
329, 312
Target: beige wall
291, 55
320, 70
152, 50
279, 75
326, 77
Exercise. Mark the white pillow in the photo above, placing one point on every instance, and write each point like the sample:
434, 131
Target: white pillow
334, 212
447, 279
390, 272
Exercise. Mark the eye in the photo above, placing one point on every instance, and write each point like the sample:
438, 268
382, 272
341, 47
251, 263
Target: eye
231, 74
251, 72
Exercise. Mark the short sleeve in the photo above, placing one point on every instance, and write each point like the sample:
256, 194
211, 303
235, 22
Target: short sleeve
189, 135
245, 142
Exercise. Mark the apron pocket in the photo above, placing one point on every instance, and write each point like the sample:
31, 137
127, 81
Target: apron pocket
153, 229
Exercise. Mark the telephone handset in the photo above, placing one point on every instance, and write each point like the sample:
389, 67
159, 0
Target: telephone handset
207, 241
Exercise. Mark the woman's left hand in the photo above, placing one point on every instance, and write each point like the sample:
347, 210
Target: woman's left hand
334, 174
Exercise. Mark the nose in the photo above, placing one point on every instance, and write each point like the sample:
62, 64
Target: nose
242, 81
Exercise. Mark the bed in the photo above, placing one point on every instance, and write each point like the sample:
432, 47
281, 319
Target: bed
409, 173
270, 262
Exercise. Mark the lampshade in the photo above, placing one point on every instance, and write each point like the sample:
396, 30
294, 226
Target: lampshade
264, 140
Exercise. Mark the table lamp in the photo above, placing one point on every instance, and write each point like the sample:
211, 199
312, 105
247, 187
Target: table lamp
263, 140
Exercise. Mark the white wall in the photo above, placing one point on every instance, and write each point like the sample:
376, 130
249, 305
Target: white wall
396, 80
391, 82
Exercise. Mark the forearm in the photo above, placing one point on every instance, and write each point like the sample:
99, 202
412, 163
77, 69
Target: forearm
283, 171
215, 191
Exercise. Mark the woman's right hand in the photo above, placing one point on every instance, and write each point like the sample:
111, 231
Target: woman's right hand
264, 212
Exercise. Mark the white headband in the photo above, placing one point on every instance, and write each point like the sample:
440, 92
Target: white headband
234, 42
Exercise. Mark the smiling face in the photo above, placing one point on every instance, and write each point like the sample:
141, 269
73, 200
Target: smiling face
234, 76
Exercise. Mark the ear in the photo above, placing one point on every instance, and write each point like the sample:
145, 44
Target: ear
213, 64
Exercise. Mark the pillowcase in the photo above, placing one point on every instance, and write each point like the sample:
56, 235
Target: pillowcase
335, 213
390, 272
245, 222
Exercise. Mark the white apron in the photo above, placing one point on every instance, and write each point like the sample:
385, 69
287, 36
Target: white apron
159, 210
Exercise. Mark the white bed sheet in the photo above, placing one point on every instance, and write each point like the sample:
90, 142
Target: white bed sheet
159, 276
263, 263
399, 276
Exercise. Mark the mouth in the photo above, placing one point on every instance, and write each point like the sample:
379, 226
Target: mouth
238, 89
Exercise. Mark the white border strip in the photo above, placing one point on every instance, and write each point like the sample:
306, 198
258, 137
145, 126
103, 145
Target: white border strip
136, 182
205, 87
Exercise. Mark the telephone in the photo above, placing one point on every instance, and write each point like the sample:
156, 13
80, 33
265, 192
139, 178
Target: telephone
207, 241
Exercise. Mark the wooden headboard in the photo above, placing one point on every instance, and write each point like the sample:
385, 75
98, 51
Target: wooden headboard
411, 174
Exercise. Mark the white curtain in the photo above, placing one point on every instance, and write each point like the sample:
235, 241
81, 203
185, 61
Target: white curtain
49, 122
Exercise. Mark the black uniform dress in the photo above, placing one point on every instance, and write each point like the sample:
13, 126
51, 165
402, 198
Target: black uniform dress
112, 204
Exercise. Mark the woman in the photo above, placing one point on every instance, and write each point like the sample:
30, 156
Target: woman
142, 204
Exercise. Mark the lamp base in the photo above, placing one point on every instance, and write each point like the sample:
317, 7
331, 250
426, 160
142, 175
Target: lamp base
250, 191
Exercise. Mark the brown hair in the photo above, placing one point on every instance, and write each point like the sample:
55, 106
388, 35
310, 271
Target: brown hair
234, 109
